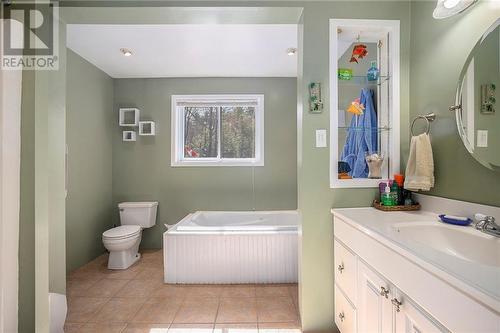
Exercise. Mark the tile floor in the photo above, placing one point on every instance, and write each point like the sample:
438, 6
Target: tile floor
137, 301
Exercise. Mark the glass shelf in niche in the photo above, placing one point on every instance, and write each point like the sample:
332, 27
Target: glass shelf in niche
363, 81
360, 128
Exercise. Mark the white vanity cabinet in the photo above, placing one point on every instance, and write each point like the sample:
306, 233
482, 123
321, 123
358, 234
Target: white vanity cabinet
383, 308
379, 288
367, 302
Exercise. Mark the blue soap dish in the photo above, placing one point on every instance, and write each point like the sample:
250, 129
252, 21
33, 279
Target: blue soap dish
447, 219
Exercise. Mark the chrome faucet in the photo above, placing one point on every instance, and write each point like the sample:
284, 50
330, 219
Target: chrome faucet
487, 224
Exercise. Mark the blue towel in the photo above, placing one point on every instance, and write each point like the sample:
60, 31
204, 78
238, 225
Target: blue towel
361, 137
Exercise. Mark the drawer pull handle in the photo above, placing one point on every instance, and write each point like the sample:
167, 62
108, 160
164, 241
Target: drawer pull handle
341, 268
396, 304
341, 316
384, 292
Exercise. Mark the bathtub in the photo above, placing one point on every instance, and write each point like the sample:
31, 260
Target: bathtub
232, 247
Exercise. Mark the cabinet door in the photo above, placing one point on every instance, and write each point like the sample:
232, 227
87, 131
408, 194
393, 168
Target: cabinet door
345, 314
411, 318
374, 306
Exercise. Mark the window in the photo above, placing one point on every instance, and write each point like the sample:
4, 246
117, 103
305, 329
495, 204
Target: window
210, 130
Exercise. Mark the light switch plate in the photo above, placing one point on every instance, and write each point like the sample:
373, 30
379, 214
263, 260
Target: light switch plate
482, 138
321, 138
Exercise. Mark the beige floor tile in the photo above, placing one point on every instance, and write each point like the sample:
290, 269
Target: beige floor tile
81, 309
101, 260
291, 327
118, 310
123, 274
272, 290
238, 291
204, 291
170, 290
196, 310
146, 328
87, 273
236, 328
276, 309
150, 273
237, 310
294, 291
191, 328
152, 256
138, 288
72, 327
105, 288
158, 311
102, 328
79, 287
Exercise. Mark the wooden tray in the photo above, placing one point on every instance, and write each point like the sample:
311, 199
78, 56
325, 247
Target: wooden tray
379, 206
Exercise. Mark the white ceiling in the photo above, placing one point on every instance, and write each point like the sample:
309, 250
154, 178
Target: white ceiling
187, 50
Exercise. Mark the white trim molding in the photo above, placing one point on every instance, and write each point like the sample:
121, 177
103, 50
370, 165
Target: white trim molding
177, 129
390, 29
10, 164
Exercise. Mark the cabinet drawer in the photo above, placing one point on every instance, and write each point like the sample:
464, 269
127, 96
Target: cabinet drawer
345, 314
345, 270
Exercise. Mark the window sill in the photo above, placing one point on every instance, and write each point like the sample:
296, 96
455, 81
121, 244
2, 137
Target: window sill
217, 163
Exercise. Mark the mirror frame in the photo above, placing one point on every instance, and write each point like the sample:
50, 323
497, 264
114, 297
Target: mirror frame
458, 108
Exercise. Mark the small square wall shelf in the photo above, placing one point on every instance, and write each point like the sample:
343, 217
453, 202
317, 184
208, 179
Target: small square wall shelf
129, 136
129, 117
147, 128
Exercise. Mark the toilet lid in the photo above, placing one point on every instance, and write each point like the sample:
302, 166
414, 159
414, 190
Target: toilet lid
122, 231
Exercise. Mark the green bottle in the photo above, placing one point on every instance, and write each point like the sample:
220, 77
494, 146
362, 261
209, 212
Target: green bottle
387, 198
396, 193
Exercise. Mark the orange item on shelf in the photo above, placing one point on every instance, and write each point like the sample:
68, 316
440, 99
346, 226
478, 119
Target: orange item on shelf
344, 175
400, 179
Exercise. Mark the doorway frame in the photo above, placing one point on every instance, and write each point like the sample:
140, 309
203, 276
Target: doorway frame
10, 168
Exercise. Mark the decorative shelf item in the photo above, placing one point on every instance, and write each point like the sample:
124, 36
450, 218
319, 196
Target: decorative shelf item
147, 128
129, 136
363, 81
315, 102
379, 206
129, 117
488, 98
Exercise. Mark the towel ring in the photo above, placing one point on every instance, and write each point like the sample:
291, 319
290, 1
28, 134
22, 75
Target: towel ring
430, 117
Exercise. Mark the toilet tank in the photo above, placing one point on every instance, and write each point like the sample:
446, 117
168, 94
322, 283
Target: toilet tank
142, 214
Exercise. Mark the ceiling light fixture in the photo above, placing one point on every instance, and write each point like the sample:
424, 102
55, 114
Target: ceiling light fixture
126, 52
291, 51
448, 8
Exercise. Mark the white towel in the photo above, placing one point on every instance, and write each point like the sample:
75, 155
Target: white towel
420, 166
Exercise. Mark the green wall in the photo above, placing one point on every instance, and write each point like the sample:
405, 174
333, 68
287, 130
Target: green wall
142, 171
439, 49
315, 196
89, 124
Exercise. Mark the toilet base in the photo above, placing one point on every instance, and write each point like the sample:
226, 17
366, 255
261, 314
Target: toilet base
123, 259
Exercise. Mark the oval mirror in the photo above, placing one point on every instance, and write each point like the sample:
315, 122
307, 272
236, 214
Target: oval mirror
478, 101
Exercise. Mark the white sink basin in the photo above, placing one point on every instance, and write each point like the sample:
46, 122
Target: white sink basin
465, 243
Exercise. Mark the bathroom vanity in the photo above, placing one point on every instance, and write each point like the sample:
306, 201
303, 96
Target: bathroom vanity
408, 272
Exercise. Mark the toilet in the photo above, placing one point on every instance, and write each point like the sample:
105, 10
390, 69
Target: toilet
123, 242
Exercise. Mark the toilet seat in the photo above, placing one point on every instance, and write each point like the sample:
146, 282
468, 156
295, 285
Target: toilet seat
122, 232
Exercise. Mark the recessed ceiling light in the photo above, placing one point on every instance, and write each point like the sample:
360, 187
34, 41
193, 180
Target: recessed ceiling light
126, 52
448, 8
291, 51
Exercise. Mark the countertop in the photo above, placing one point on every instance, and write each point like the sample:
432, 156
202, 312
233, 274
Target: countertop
479, 280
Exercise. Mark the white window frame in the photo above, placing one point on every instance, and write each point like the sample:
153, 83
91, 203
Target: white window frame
177, 132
